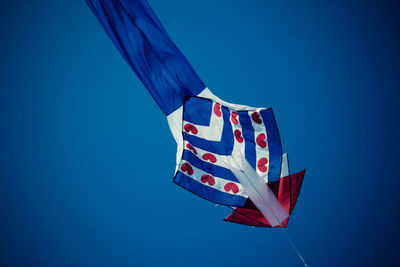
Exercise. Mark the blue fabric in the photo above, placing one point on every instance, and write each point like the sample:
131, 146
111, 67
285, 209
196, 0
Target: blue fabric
207, 167
248, 135
223, 147
146, 46
207, 192
274, 145
199, 110
167, 75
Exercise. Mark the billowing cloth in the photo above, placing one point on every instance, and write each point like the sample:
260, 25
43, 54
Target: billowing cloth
146, 46
218, 137
226, 152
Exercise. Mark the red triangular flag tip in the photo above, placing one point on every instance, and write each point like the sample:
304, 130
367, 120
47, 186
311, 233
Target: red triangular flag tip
286, 190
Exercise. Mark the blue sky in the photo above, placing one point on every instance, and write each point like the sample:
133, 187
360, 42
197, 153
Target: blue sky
87, 159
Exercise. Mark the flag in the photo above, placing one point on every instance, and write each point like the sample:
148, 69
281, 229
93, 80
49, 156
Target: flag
226, 153
214, 132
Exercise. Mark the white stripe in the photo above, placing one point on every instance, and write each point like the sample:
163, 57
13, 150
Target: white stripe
175, 125
225, 161
176, 117
260, 152
222, 160
206, 93
238, 148
285, 166
219, 182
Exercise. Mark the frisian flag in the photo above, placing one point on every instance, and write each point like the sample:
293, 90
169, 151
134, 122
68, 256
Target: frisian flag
227, 153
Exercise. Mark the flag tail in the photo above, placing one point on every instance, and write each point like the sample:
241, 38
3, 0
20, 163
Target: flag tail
142, 40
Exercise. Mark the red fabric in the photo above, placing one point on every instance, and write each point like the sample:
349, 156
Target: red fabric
286, 190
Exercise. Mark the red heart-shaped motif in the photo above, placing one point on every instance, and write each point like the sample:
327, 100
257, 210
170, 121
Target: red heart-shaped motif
261, 140
234, 118
210, 157
206, 178
238, 136
190, 128
262, 164
187, 168
217, 109
231, 186
189, 146
256, 117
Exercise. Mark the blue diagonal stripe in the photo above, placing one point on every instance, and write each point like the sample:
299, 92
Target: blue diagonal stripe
223, 147
207, 167
207, 192
274, 145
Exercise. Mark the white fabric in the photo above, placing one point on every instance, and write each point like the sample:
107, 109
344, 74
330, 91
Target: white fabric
260, 152
175, 120
212, 132
175, 125
251, 183
219, 182
259, 193
222, 160
285, 166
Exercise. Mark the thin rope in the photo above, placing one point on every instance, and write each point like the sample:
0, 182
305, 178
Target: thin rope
294, 246
284, 232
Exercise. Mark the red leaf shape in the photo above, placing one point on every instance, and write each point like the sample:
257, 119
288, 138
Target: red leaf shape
210, 157
261, 140
231, 186
256, 117
262, 164
189, 146
206, 178
190, 128
238, 136
217, 109
187, 168
234, 118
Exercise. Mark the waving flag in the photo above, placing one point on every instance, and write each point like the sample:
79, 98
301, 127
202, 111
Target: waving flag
215, 131
229, 154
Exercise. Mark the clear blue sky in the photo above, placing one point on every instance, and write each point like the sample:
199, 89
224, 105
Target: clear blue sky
87, 159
